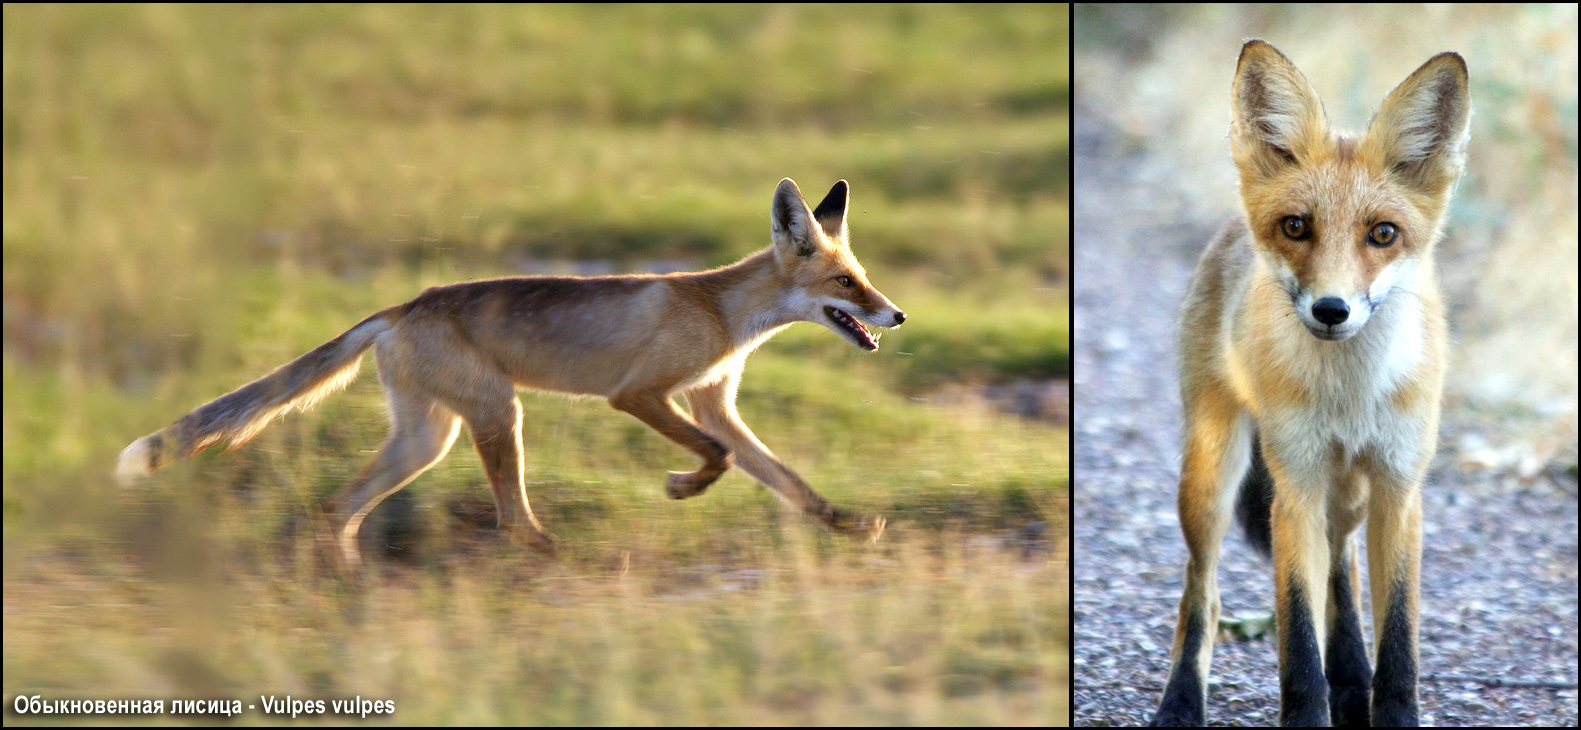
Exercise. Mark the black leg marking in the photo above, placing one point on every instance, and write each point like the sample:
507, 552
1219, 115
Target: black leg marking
1184, 697
1303, 692
1348, 674
1394, 686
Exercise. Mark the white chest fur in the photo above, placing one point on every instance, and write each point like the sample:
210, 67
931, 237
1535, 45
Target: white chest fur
1347, 403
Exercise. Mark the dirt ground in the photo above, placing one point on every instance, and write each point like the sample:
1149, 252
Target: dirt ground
1499, 566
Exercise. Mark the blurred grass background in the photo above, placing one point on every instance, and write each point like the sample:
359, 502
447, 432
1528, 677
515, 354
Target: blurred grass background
195, 195
1158, 78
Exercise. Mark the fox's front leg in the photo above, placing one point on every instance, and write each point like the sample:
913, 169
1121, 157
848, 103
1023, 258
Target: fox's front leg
1299, 522
1345, 662
1394, 557
714, 406
1216, 456
659, 412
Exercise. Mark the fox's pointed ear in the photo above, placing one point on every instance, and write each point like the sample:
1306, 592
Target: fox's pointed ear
1277, 117
831, 212
792, 220
1420, 132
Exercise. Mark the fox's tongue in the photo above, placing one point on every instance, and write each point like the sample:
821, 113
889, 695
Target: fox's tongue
865, 333
869, 340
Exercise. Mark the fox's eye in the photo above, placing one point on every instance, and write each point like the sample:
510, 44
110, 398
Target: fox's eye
1383, 234
844, 280
1295, 227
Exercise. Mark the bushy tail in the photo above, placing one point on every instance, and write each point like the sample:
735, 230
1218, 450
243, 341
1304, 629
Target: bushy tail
1254, 505
240, 414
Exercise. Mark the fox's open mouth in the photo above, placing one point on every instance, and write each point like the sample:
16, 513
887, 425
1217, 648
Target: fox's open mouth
864, 339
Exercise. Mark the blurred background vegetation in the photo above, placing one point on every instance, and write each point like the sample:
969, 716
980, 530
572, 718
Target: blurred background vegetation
195, 195
1156, 80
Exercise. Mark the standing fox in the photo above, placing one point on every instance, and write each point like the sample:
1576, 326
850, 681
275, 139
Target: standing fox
1313, 349
457, 354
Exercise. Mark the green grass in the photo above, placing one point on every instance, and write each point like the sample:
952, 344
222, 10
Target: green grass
194, 196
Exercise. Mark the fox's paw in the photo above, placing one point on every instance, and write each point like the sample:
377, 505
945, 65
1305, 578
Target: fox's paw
533, 537
1178, 713
335, 543
341, 552
868, 527
1348, 706
684, 484
1171, 719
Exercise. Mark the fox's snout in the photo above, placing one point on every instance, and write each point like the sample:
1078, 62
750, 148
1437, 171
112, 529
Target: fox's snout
1331, 317
884, 317
851, 324
1331, 311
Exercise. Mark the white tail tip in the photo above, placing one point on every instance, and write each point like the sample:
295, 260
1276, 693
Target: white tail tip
132, 467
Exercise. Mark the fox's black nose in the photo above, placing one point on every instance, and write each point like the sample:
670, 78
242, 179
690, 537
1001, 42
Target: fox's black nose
900, 317
1331, 310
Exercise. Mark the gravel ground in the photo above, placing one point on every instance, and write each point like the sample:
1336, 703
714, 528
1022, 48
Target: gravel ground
1499, 567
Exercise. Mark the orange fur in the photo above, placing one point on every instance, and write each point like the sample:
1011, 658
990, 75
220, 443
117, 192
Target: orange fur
1317, 317
458, 353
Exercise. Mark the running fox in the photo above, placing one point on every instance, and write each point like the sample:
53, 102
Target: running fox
1313, 348
458, 353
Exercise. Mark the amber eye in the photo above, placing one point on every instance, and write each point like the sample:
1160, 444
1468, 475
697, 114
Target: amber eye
1383, 235
844, 280
1295, 227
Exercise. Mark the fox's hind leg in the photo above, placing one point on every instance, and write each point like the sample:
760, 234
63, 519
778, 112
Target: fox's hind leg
1217, 454
422, 434
495, 420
